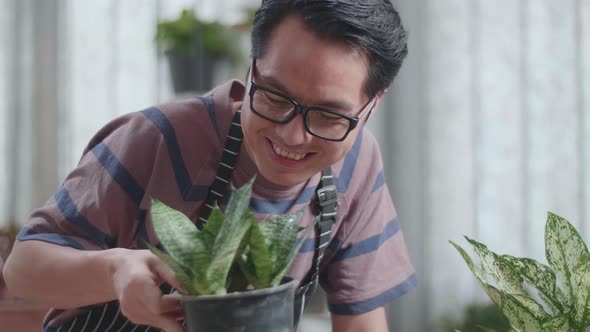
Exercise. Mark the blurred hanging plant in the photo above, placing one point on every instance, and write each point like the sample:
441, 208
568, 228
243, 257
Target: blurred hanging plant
233, 251
563, 286
185, 33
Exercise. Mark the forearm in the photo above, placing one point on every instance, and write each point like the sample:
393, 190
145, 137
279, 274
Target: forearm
60, 277
372, 321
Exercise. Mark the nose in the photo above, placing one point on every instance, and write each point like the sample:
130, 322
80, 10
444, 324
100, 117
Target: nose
293, 132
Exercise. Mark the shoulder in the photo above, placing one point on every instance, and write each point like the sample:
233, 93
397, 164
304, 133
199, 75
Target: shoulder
361, 168
208, 113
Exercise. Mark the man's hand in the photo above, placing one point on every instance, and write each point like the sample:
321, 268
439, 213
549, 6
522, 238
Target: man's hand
63, 277
372, 321
136, 275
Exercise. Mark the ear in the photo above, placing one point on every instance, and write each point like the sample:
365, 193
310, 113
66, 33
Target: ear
378, 98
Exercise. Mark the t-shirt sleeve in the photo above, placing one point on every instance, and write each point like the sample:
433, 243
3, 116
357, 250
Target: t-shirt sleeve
98, 204
366, 265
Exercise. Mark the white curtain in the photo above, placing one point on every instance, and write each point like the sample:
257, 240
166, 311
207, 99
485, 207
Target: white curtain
488, 129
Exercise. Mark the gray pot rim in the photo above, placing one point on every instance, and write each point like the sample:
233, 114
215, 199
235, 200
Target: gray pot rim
245, 294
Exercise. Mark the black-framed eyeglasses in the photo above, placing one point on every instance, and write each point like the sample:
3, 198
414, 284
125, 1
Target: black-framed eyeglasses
320, 122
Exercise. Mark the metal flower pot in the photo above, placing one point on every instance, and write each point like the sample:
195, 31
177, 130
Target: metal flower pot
194, 72
268, 309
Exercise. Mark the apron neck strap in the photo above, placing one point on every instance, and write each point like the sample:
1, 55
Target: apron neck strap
229, 158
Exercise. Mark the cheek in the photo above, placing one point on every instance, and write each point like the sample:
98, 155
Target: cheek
336, 151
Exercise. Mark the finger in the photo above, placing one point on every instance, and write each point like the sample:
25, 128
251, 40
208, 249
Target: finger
169, 325
165, 273
169, 303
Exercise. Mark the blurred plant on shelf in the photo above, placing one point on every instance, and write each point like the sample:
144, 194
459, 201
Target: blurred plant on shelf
193, 47
7, 238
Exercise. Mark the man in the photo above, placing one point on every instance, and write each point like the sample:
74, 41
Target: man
319, 69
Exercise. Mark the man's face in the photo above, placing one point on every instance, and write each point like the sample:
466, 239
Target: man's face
313, 72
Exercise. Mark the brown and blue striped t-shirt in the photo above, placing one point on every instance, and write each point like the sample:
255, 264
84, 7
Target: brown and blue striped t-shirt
171, 152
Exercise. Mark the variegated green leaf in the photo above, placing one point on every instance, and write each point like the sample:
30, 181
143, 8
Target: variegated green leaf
183, 274
539, 276
236, 223
558, 324
581, 277
286, 255
247, 268
501, 270
564, 250
477, 272
259, 259
209, 233
492, 292
225, 244
180, 238
485, 329
523, 313
281, 233
175, 231
236, 280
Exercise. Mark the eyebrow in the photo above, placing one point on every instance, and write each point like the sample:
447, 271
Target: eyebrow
330, 104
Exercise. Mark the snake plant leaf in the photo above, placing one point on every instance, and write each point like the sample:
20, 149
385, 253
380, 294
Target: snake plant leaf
236, 223
247, 268
182, 240
581, 277
539, 276
272, 248
501, 270
281, 233
564, 250
183, 274
178, 235
286, 255
211, 229
259, 261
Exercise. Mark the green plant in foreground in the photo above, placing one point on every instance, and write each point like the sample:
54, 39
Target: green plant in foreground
476, 316
563, 286
231, 246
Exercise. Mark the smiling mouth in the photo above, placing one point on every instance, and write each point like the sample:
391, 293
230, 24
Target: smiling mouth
287, 154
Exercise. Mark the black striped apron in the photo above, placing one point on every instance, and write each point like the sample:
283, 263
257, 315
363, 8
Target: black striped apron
108, 317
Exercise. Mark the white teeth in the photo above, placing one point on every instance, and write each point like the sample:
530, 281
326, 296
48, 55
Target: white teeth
288, 155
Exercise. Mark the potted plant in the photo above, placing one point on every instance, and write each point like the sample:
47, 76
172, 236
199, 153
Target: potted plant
561, 301
7, 239
232, 270
193, 47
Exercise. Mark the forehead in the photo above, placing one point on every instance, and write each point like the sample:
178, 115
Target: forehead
313, 68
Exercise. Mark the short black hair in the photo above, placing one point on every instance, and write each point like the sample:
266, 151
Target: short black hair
371, 26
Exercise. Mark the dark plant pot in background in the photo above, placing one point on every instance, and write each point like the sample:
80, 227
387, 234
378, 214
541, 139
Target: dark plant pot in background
268, 309
191, 73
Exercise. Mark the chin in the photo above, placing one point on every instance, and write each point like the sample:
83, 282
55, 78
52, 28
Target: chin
283, 179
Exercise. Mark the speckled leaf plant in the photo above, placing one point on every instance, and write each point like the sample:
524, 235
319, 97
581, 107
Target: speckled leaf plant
232, 246
563, 286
